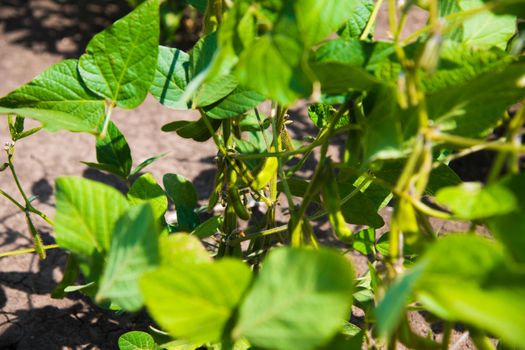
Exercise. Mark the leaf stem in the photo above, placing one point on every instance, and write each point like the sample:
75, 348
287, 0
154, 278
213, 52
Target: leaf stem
461, 141
26, 251
277, 135
318, 170
17, 181
459, 16
447, 331
14, 201
107, 119
371, 20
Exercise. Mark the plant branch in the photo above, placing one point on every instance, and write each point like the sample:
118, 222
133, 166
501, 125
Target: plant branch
371, 20
26, 251
14, 201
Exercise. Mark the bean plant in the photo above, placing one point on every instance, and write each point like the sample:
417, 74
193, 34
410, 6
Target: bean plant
251, 268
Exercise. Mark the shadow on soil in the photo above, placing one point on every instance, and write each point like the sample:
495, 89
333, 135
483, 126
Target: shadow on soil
61, 27
76, 326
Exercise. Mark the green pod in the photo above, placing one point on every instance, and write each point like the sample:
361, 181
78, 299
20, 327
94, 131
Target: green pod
353, 149
236, 202
332, 204
218, 183
230, 221
308, 232
37, 239
266, 172
234, 198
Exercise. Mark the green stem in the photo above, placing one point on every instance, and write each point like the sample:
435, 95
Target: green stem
107, 119
26, 251
14, 201
447, 331
343, 200
513, 158
458, 16
318, 141
216, 139
324, 149
261, 128
460, 154
42, 215
461, 141
481, 341
371, 20
278, 126
263, 233
17, 181
28, 206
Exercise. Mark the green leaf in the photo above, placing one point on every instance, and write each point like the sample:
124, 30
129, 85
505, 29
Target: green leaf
383, 136
353, 52
171, 77
136, 340
208, 227
212, 89
58, 99
322, 113
351, 338
316, 19
195, 302
512, 7
359, 17
134, 251
147, 162
272, 67
472, 200
235, 104
105, 167
509, 228
181, 191
474, 108
302, 308
475, 285
340, 78
391, 309
458, 64
79, 225
364, 241
146, 189
440, 177
485, 29
359, 210
76, 288
298, 188
196, 130
182, 249
120, 62
114, 150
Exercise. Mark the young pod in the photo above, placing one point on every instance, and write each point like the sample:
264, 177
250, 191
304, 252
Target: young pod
266, 172
218, 183
332, 204
234, 197
237, 204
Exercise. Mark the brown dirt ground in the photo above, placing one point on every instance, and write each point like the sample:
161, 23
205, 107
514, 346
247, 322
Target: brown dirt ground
33, 36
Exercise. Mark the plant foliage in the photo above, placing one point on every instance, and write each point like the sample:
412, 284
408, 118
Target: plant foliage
231, 274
